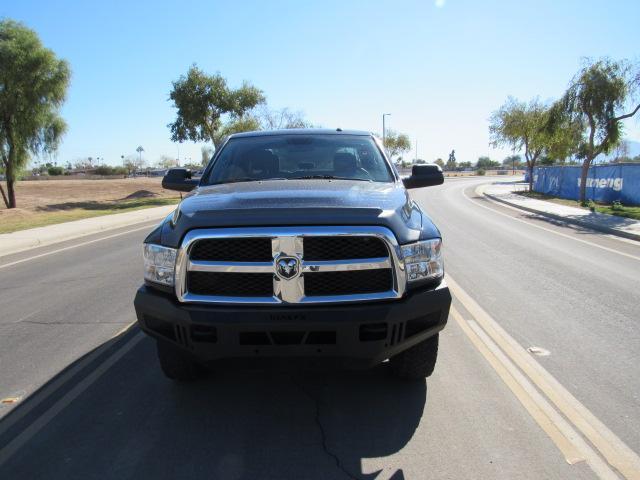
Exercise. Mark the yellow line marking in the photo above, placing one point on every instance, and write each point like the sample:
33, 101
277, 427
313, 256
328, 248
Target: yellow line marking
612, 250
570, 443
29, 432
524, 394
614, 450
73, 246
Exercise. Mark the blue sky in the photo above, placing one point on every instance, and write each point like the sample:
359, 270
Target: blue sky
439, 67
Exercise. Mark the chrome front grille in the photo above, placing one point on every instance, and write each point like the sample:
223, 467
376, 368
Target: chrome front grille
289, 265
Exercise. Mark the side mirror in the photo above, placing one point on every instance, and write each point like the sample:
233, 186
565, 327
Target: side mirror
179, 179
424, 176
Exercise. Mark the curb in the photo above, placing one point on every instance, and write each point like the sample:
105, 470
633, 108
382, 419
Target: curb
592, 226
24, 240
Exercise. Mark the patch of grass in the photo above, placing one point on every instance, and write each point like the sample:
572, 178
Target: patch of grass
66, 212
614, 209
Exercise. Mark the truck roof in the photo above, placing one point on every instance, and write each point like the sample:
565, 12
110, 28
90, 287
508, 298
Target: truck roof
301, 131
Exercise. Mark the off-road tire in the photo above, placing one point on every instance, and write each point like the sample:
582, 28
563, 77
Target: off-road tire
176, 364
417, 362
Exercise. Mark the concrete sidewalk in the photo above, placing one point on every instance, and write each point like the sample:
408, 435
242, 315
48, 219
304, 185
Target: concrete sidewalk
22, 240
611, 224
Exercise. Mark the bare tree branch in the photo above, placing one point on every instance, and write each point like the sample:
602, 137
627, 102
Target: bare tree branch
628, 115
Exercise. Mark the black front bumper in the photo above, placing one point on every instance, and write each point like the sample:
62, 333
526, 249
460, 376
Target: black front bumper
359, 335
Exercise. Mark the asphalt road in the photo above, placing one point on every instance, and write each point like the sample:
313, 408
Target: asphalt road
94, 406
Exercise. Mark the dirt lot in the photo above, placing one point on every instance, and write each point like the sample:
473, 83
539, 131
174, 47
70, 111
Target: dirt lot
43, 202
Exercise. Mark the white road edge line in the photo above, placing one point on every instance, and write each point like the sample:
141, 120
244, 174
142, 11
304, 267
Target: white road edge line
612, 448
29, 432
547, 229
49, 388
10, 264
480, 191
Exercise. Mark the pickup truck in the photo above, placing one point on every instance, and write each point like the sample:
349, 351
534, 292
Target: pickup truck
296, 246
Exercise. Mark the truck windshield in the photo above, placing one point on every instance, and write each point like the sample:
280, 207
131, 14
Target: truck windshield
345, 157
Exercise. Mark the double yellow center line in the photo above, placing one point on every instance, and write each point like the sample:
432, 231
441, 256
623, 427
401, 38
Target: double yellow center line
578, 434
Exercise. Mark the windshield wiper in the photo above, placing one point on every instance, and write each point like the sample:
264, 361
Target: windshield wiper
331, 177
247, 179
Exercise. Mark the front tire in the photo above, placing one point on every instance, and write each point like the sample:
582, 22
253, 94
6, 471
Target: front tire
176, 364
417, 362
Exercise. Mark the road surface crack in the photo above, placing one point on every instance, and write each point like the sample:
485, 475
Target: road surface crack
323, 433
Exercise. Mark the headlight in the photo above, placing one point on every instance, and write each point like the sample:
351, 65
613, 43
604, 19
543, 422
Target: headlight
159, 264
423, 261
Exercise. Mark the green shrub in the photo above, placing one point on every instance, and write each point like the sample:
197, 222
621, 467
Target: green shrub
616, 205
55, 171
107, 170
481, 171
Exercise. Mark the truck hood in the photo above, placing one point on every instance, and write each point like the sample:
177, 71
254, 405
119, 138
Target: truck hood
301, 202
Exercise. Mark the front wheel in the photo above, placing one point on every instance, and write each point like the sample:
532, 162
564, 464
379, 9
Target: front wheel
416, 362
176, 364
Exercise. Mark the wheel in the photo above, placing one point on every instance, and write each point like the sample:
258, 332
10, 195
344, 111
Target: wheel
176, 364
416, 362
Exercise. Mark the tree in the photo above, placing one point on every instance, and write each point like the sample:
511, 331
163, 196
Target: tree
279, 119
521, 126
563, 139
236, 125
621, 153
33, 85
440, 162
207, 153
166, 161
512, 161
486, 163
396, 143
206, 104
597, 99
451, 164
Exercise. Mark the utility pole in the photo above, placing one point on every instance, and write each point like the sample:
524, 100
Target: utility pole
384, 131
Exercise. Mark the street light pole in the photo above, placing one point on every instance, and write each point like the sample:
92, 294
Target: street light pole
384, 131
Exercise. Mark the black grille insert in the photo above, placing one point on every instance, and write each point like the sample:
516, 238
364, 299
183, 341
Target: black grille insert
230, 284
420, 324
254, 338
348, 282
371, 332
287, 338
232, 249
343, 247
321, 338
204, 334
161, 327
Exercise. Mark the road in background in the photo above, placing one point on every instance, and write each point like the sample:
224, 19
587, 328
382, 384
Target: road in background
120, 418
549, 289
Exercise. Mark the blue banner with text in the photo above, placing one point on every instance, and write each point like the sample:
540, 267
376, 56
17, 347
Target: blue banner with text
605, 183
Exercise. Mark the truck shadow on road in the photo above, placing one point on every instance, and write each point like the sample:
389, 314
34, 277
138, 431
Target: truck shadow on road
133, 423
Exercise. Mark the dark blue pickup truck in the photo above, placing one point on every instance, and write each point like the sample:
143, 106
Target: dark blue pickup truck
296, 245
